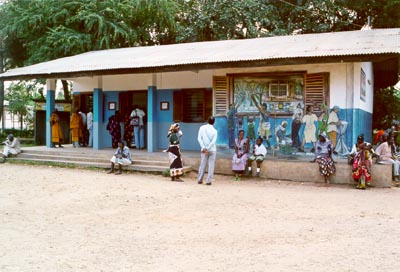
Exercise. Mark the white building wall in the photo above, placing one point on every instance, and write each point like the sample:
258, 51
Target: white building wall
344, 81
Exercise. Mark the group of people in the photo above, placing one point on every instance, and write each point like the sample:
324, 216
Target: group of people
242, 159
81, 127
207, 138
327, 123
133, 128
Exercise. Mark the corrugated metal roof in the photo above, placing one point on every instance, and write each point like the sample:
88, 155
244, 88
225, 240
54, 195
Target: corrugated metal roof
169, 57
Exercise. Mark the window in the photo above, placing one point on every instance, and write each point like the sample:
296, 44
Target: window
279, 89
192, 105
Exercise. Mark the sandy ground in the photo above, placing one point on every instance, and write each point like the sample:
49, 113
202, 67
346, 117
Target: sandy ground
56, 219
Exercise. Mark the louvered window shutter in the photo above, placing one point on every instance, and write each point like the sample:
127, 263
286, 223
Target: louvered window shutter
221, 91
317, 91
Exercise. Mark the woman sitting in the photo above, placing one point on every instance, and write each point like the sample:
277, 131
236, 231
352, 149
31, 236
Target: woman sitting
361, 159
240, 157
385, 156
323, 155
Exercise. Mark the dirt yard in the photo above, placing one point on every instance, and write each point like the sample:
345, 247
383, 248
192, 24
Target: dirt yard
56, 219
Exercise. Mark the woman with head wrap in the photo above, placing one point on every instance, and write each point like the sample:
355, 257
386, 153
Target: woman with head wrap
174, 152
323, 156
361, 158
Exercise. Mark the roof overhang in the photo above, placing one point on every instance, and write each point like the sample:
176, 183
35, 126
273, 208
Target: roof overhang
377, 46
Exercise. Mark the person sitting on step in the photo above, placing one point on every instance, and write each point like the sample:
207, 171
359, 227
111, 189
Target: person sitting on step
259, 152
122, 156
11, 146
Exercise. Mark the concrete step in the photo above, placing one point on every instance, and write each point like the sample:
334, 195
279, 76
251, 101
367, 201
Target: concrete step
83, 160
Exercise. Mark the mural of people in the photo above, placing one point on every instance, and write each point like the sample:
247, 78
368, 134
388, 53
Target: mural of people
280, 134
309, 131
296, 125
333, 122
251, 133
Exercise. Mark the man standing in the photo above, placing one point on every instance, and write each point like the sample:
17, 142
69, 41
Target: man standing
207, 139
89, 123
333, 122
83, 139
138, 126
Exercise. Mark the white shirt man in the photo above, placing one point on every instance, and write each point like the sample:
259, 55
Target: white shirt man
12, 146
89, 126
207, 139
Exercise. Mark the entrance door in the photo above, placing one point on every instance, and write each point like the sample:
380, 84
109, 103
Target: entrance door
130, 100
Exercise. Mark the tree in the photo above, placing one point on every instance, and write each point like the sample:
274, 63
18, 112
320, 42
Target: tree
19, 96
40, 30
386, 107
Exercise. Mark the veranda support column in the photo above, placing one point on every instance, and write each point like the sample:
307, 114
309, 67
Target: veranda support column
50, 98
151, 118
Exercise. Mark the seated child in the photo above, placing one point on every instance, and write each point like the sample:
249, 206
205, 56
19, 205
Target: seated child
259, 152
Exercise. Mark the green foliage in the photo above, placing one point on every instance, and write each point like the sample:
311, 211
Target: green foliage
386, 107
19, 95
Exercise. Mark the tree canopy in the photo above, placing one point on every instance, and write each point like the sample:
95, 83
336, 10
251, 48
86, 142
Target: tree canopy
40, 30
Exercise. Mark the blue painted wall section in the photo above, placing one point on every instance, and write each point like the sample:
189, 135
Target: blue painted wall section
50, 101
105, 135
97, 118
151, 118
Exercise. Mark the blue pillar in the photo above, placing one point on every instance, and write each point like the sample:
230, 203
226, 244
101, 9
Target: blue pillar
97, 117
151, 118
50, 97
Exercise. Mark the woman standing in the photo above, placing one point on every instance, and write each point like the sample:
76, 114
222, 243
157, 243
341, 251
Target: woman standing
75, 126
174, 152
114, 128
240, 157
323, 155
56, 133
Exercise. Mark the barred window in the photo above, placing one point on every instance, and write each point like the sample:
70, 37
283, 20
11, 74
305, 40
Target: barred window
192, 105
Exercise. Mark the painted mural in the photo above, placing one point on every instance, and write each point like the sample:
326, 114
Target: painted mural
274, 109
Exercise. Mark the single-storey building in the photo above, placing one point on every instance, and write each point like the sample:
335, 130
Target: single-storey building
253, 84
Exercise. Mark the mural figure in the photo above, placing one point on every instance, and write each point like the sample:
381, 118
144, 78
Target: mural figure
309, 131
333, 122
296, 125
251, 133
264, 127
280, 134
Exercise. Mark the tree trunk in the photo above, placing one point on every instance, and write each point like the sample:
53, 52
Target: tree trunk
67, 97
21, 121
1, 88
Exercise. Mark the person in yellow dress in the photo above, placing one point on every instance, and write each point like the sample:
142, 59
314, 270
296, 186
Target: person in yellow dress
56, 133
75, 126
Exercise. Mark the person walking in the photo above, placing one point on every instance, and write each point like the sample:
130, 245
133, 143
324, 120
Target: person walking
89, 125
174, 152
56, 133
207, 138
